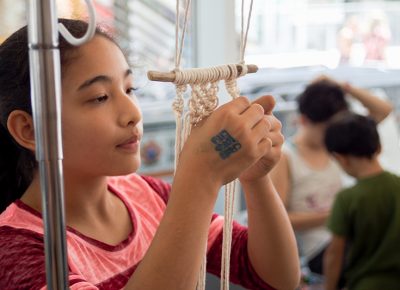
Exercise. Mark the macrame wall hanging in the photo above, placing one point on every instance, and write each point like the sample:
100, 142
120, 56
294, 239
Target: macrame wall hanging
202, 102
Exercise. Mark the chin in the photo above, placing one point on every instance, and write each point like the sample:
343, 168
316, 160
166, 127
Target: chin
129, 168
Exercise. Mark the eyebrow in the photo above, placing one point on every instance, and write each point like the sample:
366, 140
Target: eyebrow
101, 79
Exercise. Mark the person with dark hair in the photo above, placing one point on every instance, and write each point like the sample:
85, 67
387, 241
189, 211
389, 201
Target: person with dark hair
365, 218
126, 231
306, 177
321, 100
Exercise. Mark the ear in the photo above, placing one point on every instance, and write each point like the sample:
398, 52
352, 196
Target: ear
20, 126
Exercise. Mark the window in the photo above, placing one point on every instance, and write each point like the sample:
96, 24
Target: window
331, 33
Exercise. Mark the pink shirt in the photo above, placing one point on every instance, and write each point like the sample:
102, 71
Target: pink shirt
96, 265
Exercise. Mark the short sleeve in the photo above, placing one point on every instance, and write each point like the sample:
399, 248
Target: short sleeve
241, 269
22, 262
338, 221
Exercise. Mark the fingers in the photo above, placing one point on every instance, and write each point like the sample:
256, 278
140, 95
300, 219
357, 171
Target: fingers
261, 130
255, 110
242, 111
239, 125
266, 102
231, 109
269, 128
276, 135
265, 127
253, 115
271, 145
237, 106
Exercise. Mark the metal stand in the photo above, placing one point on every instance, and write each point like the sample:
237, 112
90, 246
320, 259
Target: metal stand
44, 60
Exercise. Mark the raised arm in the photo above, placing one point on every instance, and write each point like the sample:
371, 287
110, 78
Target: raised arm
207, 161
271, 242
378, 108
280, 176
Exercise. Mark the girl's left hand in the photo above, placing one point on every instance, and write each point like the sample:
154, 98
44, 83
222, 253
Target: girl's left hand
265, 164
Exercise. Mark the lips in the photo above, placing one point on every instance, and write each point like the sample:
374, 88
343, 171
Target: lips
130, 144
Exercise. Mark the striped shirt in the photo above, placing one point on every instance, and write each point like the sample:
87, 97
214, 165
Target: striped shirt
96, 265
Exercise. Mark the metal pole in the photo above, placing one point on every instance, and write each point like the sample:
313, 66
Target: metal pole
45, 80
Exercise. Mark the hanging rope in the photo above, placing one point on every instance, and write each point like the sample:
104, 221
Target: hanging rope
204, 85
243, 35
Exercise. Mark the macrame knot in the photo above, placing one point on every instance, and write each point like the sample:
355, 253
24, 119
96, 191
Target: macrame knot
204, 84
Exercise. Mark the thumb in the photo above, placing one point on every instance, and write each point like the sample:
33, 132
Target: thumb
267, 102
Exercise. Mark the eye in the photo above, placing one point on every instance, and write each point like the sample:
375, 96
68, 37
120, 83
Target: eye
131, 91
100, 99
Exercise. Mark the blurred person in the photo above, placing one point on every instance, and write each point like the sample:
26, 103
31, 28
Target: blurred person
306, 177
365, 218
376, 40
347, 35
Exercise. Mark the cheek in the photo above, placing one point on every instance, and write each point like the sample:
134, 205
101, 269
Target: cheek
79, 138
83, 150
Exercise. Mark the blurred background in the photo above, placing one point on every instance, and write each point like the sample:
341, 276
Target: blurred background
292, 41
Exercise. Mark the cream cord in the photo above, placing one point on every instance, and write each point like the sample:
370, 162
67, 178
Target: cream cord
203, 101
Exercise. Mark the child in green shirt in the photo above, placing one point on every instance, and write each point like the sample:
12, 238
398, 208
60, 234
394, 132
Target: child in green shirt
365, 218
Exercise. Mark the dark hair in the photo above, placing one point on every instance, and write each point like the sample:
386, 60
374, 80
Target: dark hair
352, 134
321, 100
17, 164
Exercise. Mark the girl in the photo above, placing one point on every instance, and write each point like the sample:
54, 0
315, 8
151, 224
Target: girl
125, 230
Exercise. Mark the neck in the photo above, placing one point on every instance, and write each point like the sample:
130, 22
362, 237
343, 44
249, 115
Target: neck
82, 196
366, 168
302, 140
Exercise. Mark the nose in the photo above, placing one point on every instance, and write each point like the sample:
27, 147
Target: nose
129, 113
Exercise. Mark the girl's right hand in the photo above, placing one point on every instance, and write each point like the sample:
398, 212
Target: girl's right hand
230, 140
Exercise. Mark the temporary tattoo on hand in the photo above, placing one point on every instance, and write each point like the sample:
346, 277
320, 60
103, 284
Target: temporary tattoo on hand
225, 144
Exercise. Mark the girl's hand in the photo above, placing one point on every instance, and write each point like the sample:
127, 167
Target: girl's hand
233, 138
274, 136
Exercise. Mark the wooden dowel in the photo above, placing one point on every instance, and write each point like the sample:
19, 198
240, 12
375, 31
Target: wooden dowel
170, 76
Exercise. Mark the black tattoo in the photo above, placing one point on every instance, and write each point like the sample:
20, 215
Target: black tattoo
225, 144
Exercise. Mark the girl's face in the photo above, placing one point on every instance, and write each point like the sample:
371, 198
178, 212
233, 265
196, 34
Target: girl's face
101, 120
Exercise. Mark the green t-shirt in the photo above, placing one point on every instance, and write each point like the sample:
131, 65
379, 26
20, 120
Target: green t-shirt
368, 216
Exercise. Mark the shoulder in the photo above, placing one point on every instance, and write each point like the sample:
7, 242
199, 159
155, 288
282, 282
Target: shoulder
390, 176
22, 261
15, 238
18, 215
346, 201
346, 194
161, 187
290, 155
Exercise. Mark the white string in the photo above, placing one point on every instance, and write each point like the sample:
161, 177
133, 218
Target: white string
203, 101
204, 75
201, 282
243, 36
230, 190
178, 51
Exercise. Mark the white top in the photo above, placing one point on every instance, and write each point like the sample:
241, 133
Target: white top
312, 190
